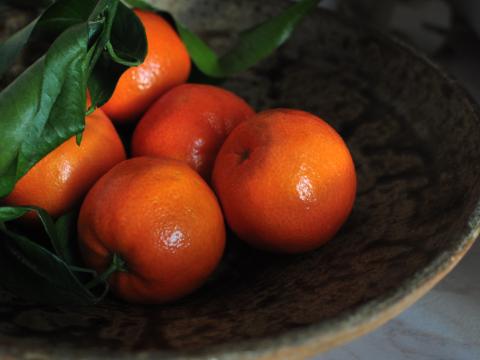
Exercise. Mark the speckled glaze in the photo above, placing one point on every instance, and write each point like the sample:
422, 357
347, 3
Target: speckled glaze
414, 136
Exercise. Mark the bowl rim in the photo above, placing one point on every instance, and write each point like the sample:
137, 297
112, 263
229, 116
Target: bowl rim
313, 339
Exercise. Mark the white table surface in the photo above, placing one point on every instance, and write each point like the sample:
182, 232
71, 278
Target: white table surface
444, 324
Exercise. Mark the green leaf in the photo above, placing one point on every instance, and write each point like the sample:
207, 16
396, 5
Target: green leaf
62, 15
257, 43
204, 58
9, 213
31, 272
66, 227
35, 273
103, 79
54, 20
253, 44
44, 106
127, 38
126, 45
10, 49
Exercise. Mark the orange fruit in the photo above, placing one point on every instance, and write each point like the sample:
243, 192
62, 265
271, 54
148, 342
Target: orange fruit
286, 181
59, 181
167, 64
190, 123
162, 219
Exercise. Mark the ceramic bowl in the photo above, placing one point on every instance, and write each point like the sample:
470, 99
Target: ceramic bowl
413, 133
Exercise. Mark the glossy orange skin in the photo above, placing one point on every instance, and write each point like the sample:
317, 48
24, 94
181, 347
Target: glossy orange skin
61, 179
190, 123
286, 181
167, 64
162, 219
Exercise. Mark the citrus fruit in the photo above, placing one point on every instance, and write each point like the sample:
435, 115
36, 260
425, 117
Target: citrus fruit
167, 64
161, 219
286, 181
190, 122
59, 181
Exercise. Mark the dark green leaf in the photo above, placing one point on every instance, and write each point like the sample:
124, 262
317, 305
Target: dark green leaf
204, 58
44, 106
103, 79
127, 39
56, 19
9, 213
10, 49
257, 43
66, 228
127, 46
252, 46
33, 272
30, 271
63, 14
24, 277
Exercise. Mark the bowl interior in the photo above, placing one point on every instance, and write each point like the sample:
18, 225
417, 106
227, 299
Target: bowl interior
413, 135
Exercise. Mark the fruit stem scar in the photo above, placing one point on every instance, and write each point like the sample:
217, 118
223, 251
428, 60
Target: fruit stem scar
244, 155
117, 265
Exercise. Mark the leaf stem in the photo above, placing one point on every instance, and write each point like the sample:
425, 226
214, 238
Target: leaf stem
118, 59
117, 265
111, 11
90, 110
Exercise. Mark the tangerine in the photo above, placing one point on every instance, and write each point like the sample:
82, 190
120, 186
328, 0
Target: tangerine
162, 219
286, 181
59, 181
190, 123
167, 64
